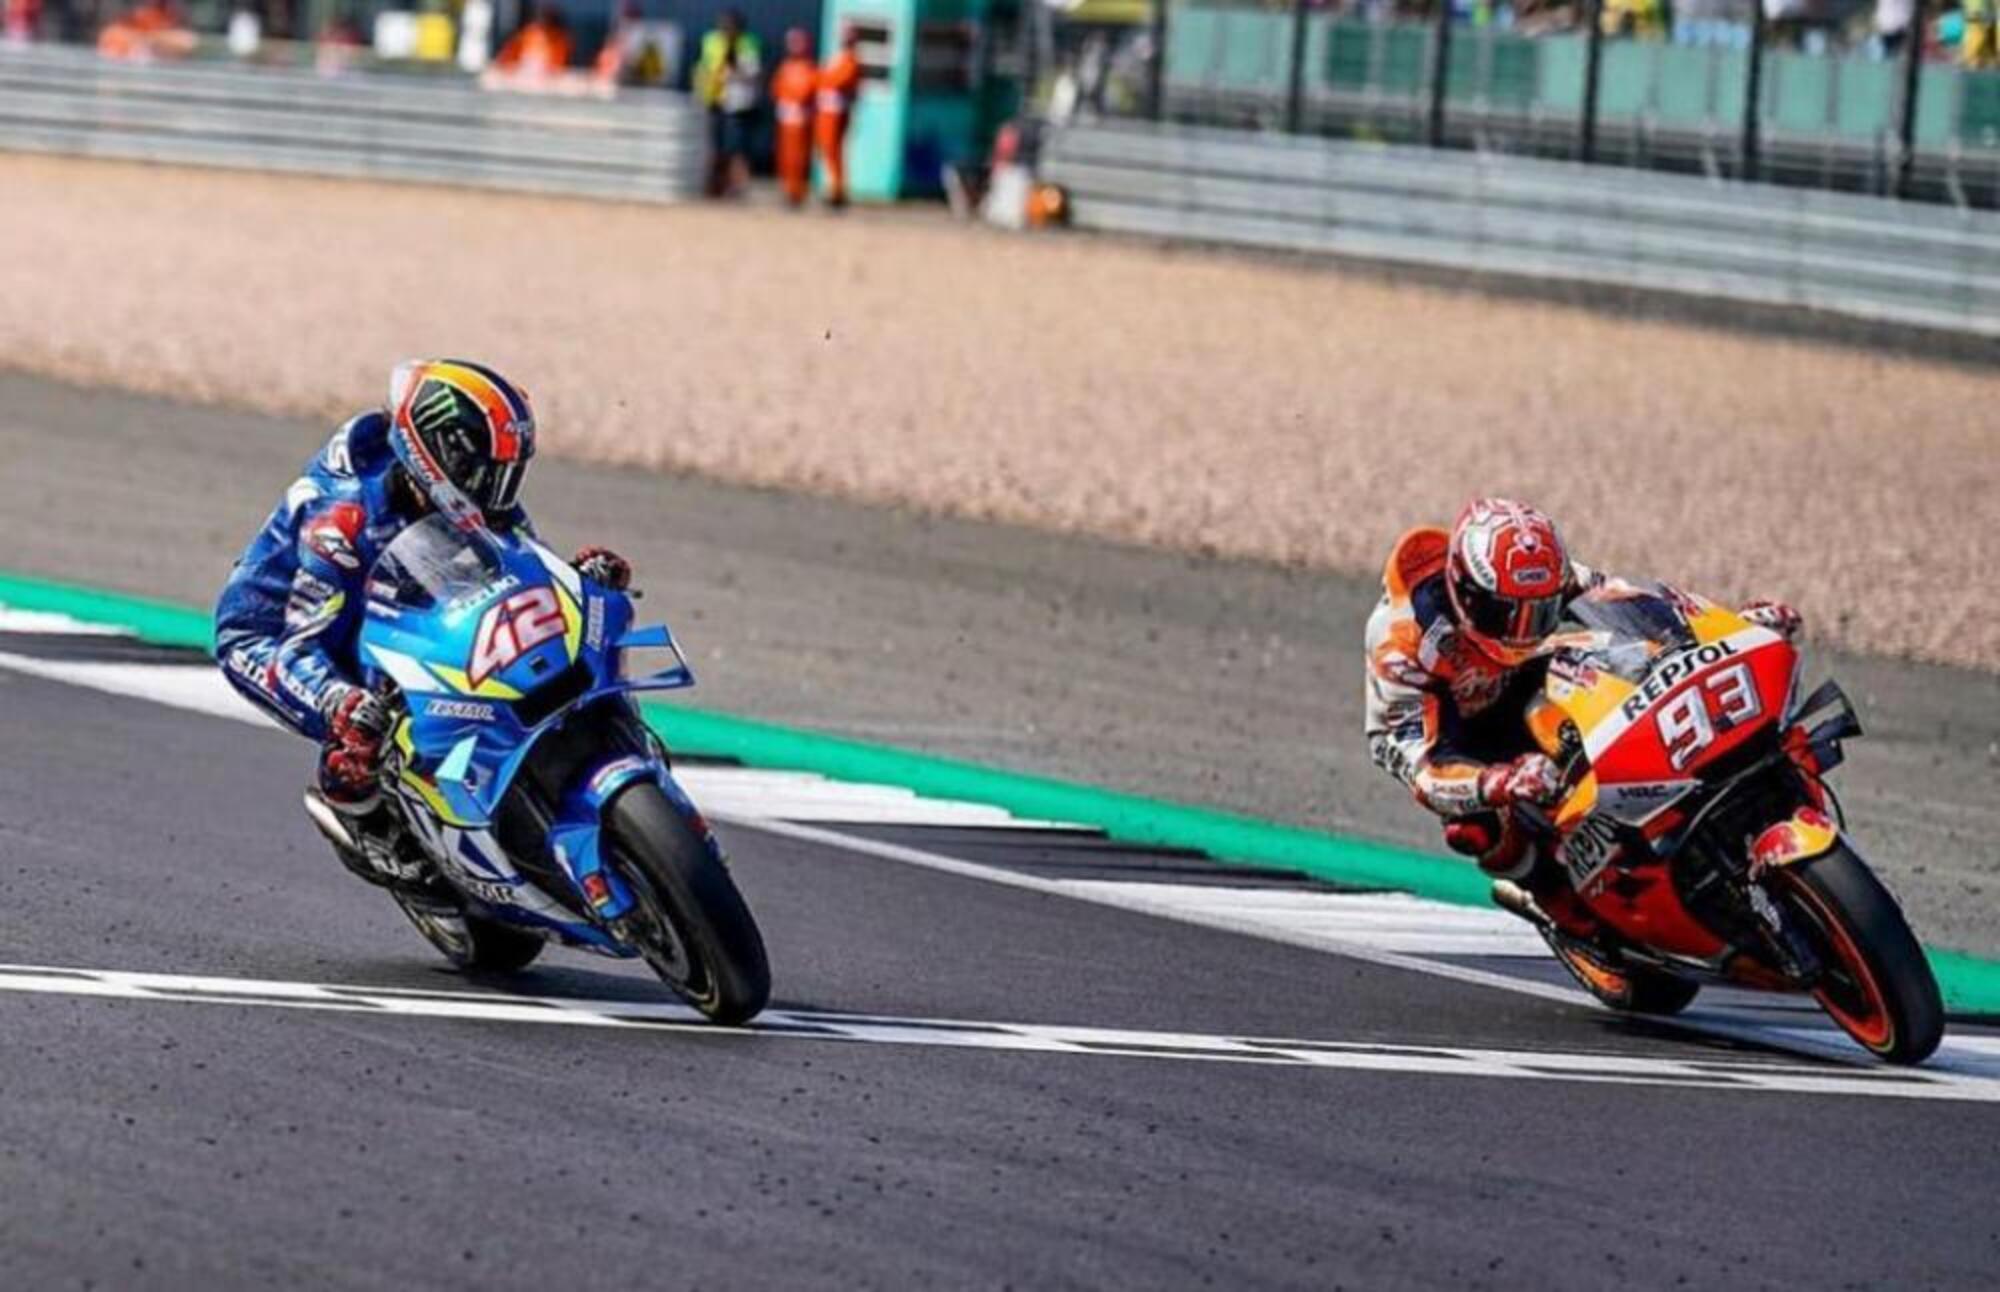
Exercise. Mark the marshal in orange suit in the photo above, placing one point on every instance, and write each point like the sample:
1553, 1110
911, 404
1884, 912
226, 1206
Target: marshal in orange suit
839, 82
793, 89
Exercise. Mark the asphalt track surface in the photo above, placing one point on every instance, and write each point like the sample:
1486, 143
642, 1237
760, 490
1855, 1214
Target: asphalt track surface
1219, 683
177, 1141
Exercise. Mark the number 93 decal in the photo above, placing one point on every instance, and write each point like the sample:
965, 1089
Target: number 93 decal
1688, 723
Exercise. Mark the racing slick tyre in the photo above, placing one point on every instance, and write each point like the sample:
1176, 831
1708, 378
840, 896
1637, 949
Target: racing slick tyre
690, 923
501, 948
1658, 993
1875, 981
1632, 989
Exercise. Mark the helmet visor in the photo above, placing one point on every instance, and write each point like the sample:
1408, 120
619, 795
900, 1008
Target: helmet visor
1511, 621
505, 487
494, 486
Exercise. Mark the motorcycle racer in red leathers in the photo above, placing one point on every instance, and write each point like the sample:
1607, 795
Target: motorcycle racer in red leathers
1456, 651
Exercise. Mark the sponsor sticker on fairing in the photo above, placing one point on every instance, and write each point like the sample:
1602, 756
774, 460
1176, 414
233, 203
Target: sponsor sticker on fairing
1672, 670
465, 710
611, 771
486, 890
1635, 802
1588, 849
456, 608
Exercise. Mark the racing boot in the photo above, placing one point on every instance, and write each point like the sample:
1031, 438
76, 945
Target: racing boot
1527, 879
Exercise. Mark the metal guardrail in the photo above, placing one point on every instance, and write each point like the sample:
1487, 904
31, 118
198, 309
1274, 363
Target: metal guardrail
647, 146
1870, 258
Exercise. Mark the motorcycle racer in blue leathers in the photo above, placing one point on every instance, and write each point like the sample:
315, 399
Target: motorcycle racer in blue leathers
455, 437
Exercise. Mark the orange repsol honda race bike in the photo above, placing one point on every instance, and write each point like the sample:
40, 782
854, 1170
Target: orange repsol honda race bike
1696, 824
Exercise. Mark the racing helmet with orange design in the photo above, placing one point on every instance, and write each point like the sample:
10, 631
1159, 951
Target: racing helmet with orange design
464, 434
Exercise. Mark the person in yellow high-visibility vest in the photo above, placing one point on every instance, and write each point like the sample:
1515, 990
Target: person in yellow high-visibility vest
728, 79
1976, 47
1643, 19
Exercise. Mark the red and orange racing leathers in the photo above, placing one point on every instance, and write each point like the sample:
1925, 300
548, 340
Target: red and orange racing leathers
1439, 711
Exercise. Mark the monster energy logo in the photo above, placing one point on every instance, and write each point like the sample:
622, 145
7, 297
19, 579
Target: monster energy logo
437, 411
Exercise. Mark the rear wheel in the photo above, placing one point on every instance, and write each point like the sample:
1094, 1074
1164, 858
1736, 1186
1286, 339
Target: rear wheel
471, 942
1876, 982
501, 948
691, 924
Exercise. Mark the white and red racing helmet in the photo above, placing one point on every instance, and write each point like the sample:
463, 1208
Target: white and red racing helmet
1507, 576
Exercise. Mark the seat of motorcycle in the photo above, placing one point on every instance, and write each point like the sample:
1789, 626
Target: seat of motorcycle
1418, 555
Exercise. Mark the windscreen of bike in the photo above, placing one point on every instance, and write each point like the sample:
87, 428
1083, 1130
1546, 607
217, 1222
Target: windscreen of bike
1630, 626
434, 563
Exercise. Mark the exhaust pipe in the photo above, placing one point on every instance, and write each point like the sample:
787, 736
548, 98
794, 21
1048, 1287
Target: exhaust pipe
1516, 900
330, 823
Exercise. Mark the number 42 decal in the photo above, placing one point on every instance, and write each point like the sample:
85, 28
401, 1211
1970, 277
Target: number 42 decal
1689, 721
512, 629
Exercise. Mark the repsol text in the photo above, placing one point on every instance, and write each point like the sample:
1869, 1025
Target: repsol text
1671, 672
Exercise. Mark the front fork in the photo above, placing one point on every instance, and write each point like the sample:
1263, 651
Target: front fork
1805, 835
576, 839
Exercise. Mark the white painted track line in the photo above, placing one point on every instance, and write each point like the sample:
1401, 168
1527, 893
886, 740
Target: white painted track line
735, 791
1394, 930
195, 690
1385, 921
1747, 1075
43, 621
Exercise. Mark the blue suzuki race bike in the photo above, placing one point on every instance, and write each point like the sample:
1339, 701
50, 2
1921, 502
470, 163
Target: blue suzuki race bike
519, 763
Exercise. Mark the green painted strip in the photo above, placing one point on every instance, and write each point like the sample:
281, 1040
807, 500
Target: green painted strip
1971, 984
158, 622
1124, 816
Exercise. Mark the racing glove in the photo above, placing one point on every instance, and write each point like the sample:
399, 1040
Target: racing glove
602, 565
1530, 779
356, 723
1775, 615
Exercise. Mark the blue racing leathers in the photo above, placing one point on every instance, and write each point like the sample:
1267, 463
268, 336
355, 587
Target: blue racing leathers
286, 624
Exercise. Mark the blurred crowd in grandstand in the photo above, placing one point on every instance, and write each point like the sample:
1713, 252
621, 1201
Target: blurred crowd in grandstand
1959, 29
642, 42
772, 98
511, 46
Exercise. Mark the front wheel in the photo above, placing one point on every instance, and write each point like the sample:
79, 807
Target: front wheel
691, 924
1875, 980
